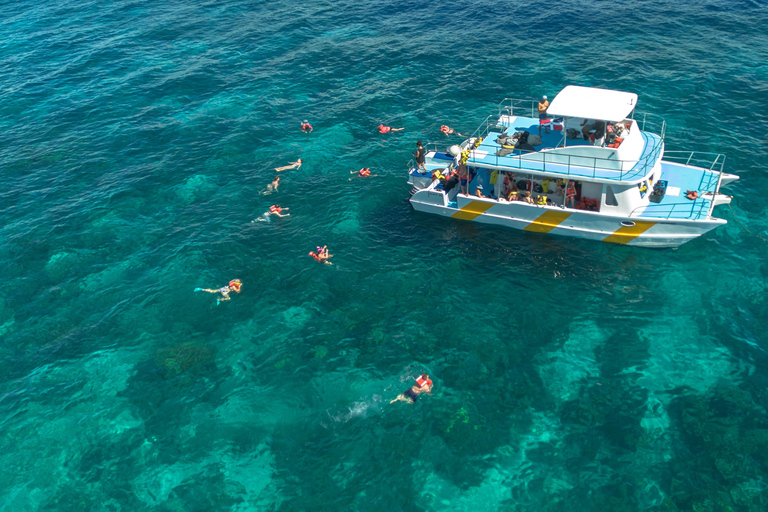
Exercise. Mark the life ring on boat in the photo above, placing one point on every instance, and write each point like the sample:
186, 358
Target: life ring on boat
691, 194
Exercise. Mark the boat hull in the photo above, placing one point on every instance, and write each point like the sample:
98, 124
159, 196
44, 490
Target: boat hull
650, 232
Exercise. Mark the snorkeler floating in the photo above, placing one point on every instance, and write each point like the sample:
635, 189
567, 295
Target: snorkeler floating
387, 129
233, 286
365, 172
306, 127
447, 130
423, 385
292, 165
276, 210
272, 187
322, 255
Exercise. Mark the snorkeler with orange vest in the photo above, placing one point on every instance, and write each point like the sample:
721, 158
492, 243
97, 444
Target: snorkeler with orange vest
387, 129
365, 172
423, 385
447, 130
234, 285
321, 256
275, 210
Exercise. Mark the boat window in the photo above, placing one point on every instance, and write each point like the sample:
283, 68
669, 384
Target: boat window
610, 197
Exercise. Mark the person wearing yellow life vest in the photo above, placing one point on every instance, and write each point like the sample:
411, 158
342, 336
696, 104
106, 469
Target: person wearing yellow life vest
423, 385
541, 200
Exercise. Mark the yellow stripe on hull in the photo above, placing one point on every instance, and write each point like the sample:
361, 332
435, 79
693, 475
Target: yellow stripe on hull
472, 210
626, 234
547, 221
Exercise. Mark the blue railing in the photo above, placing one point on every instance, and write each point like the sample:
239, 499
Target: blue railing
575, 165
692, 212
651, 123
711, 161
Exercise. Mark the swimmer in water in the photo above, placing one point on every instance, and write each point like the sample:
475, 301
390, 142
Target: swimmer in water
447, 130
272, 187
387, 129
322, 255
293, 165
365, 172
233, 286
306, 127
423, 385
276, 210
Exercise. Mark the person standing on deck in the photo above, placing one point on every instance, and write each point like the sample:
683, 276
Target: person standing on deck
543, 106
420, 157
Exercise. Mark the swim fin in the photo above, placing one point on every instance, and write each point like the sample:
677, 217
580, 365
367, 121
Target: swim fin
198, 289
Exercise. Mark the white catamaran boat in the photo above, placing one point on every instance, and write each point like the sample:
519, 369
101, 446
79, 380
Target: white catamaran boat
593, 173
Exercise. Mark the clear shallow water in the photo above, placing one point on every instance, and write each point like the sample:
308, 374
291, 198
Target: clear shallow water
569, 375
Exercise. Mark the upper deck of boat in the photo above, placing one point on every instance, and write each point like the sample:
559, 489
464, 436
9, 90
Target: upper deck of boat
577, 164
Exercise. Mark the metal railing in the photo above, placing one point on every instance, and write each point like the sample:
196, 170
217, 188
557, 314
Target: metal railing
576, 165
710, 161
693, 210
713, 162
651, 123
517, 106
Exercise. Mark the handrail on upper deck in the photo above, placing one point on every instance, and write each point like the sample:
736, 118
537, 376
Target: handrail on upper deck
575, 161
509, 105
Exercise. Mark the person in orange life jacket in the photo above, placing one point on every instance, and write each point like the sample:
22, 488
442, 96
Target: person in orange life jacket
306, 127
365, 172
387, 129
276, 209
293, 165
322, 255
233, 286
447, 130
423, 385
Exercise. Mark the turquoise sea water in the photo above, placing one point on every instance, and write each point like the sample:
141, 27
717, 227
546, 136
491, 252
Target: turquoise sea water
135, 137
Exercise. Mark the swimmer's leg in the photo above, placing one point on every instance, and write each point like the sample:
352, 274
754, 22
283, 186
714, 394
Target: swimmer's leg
402, 397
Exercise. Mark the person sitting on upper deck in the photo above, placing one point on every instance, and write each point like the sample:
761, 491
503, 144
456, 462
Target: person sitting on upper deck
597, 126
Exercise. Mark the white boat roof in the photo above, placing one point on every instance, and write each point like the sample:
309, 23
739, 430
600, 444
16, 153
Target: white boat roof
592, 103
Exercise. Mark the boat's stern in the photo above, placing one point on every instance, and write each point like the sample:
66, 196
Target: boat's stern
419, 179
